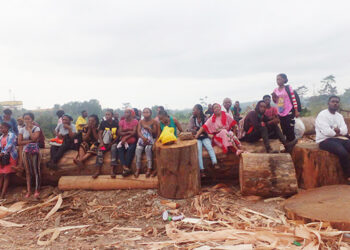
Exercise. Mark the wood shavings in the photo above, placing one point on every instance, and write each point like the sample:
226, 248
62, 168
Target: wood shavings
55, 233
4, 223
55, 208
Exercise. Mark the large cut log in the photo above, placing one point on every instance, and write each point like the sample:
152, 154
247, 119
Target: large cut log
309, 123
267, 175
105, 182
229, 163
316, 167
177, 169
330, 204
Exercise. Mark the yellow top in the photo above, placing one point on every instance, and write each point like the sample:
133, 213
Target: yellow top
80, 123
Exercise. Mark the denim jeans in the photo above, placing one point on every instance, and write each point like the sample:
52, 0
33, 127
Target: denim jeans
207, 144
127, 155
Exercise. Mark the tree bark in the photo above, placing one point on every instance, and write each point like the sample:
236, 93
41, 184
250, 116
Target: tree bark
105, 182
316, 167
178, 170
267, 175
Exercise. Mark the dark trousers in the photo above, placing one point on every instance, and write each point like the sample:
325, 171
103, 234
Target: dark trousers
57, 153
100, 157
266, 133
341, 148
127, 155
287, 125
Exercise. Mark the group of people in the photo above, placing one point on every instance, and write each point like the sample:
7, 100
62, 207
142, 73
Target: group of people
136, 132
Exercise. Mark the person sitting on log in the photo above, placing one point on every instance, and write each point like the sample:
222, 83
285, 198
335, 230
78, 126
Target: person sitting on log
28, 141
59, 114
287, 107
10, 120
209, 111
171, 122
65, 131
81, 121
107, 136
8, 156
148, 130
128, 137
89, 144
222, 126
236, 110
197, 120
226, 107
332, 133
159, 108
257, 125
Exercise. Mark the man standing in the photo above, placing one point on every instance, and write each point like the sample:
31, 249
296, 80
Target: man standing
81, 121
237, 111
331, 131
226, 106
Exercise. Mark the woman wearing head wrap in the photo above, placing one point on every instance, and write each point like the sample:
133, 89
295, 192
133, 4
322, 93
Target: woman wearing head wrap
222, 126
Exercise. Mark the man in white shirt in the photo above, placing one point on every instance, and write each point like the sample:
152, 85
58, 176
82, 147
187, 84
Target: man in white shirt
332, 133
226, 106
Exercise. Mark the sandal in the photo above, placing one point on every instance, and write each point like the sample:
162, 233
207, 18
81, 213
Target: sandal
126, 172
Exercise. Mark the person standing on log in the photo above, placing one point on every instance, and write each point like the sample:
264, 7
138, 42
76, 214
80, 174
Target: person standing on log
89, 144
171, 122
148, 131
128, 138
81, 121
222, 126
257, 125
65, 131
197, 120
107, 136
287, 107
8, 156
332, 133
226, 107
28, 141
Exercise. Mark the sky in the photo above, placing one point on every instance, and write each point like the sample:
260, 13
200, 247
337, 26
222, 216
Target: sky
168, 53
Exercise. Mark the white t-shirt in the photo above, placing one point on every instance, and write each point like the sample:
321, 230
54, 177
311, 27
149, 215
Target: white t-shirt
63, 131
326, 122
229, 113
26, 136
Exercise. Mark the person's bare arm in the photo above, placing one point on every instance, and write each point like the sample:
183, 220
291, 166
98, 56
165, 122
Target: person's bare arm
200, 131
86, 136
100, 132
178, 125
22, 142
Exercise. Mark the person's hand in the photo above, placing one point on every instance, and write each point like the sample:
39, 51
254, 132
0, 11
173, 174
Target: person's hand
297, 114
196, 136
66, 126
123, 140
29, 126
337, 131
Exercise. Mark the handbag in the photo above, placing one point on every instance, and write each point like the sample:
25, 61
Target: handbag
32, 148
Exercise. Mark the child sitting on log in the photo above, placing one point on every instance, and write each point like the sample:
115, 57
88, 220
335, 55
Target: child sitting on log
171, 122
148, 130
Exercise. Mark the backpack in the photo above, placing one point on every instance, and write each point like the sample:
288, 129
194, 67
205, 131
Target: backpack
41, 140
297, 98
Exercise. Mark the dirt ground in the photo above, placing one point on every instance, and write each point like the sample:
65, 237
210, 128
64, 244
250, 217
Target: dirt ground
138, 210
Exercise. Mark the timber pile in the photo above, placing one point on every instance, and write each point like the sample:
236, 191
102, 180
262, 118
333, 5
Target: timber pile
177, 169
315, 167
267, 175
329, 204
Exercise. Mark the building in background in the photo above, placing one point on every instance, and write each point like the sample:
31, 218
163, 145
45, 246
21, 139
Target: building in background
12, 104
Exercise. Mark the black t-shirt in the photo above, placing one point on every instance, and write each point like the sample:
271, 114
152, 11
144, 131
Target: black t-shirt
106, 124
